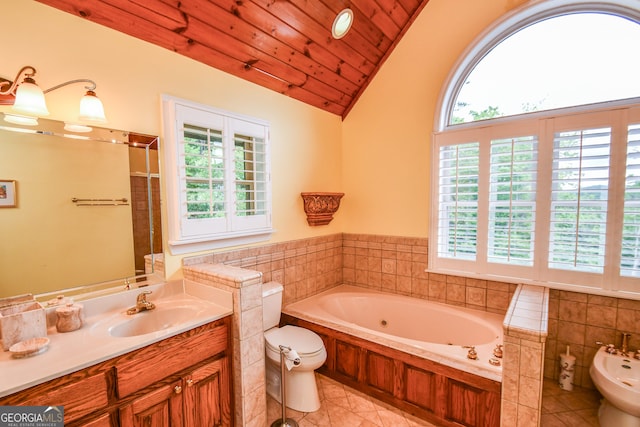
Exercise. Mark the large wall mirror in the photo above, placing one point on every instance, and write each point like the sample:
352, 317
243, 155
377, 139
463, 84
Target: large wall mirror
78, 211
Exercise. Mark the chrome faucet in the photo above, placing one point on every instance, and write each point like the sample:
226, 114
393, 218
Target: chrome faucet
142, 304
624, 350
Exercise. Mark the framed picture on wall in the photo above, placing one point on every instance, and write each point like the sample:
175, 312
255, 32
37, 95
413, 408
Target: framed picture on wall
8, 195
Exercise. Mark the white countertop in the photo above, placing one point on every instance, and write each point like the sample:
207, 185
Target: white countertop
70, 351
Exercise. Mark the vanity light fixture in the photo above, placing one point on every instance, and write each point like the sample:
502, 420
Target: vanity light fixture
30, 103
342, 23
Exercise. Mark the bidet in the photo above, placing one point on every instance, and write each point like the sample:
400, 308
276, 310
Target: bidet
617, 377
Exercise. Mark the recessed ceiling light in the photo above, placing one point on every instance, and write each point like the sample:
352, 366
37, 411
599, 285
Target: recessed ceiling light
342, 23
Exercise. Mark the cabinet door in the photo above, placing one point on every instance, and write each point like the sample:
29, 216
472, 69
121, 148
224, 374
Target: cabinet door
101, 421
158, 408
207, 396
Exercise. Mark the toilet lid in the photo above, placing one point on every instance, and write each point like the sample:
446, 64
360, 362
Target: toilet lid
299, 339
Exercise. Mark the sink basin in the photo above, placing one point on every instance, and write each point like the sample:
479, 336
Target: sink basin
618, 379
155, 320
175, 311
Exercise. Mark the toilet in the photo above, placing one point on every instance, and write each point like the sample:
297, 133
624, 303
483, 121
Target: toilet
300, 381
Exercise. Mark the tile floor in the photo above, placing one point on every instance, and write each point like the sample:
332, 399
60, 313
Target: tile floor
344, 406
560, 408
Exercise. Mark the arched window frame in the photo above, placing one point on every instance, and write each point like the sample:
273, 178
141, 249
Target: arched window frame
607, 283
508, 25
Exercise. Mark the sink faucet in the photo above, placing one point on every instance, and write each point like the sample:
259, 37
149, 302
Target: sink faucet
142, 304
624, 350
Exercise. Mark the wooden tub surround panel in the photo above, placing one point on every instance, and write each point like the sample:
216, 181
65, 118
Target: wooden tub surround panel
429, 390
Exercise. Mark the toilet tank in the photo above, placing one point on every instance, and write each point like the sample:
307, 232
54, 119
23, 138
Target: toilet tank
271, 304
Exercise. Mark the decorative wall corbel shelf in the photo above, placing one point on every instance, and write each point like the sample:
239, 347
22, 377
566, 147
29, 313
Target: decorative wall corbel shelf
320, 206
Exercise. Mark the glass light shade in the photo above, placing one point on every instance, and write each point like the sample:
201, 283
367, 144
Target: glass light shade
91, 109
20, 120
74, 127
30, 99
342, 23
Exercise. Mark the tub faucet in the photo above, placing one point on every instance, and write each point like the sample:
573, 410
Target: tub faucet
624, 350
142, 304
472, 353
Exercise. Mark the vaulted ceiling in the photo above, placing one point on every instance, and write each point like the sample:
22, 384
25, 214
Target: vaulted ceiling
283, 45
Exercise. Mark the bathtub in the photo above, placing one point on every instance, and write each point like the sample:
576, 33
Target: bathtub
438, 332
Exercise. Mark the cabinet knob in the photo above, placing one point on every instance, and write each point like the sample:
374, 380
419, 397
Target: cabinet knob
177, 389
189, 382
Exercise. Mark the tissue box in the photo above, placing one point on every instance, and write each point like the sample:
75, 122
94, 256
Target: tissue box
16, 299
21, 322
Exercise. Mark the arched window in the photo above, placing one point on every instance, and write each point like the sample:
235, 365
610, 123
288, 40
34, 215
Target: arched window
532, 119
547, 56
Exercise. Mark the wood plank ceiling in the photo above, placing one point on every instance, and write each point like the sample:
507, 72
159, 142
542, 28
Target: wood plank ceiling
283, 45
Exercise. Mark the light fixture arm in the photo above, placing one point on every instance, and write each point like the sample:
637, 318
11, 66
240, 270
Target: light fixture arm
13, 85
28, 99
91, 88
29, 72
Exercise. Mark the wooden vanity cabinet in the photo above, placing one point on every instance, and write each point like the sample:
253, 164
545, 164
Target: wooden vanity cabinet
202, 390
161, 407
104, 420
182, 380
193, 400
80, 393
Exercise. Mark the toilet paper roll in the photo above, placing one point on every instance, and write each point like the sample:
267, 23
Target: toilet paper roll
291, 359
567, 371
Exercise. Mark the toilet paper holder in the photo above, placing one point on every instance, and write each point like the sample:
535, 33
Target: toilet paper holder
284, 421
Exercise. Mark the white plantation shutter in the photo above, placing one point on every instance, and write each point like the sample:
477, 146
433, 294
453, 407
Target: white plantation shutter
249, 176
512, 200
630, 252
201, 171
204, 171
458, 207
551, 207
220, 186
579, 196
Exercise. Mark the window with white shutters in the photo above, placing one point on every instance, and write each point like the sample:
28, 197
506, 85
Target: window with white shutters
551, 98
221, 187
546, 208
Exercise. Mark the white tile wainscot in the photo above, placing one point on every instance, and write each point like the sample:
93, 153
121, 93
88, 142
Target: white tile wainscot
249, 389
525, 332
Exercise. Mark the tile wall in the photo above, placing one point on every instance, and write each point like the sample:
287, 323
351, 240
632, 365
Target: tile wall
525, 333
304, 267
397, 264
579, 320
